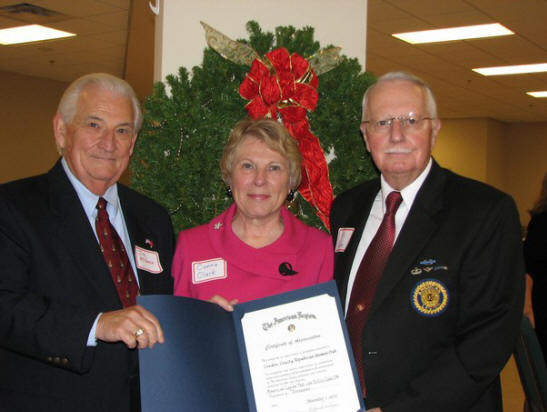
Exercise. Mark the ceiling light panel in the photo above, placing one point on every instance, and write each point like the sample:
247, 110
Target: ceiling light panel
454, 33
538, 93
31, 33
518, 69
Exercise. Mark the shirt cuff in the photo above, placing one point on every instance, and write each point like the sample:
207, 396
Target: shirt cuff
91, 339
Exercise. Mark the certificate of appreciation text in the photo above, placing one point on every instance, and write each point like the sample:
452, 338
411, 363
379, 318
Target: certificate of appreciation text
298, 359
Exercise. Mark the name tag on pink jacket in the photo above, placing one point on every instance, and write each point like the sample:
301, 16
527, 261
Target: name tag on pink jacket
211, 269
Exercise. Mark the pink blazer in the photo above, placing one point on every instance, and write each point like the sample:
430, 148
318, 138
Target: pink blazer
211, 260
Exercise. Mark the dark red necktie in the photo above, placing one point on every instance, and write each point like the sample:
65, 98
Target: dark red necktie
367, 277
116, 257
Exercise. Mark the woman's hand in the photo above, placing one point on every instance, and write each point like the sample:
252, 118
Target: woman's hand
224, 303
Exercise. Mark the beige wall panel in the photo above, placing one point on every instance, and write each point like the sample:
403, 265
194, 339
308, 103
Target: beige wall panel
139, 64
462, 147
495, 149
26, 110
526, 154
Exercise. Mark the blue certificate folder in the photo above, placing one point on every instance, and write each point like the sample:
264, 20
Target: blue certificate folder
202, 366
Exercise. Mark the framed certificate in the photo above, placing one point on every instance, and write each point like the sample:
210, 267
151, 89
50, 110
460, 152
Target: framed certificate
287, 352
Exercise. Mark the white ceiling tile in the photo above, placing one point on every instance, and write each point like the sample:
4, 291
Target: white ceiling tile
118, 21
80, 26
77, 8
115, 37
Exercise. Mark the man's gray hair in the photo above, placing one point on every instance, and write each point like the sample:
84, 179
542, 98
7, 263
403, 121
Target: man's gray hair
430, 102
69, 101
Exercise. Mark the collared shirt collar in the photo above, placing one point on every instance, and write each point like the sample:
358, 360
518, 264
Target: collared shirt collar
89, 199
408, 193
266, 260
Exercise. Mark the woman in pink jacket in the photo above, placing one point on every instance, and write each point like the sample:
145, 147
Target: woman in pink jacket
255, 248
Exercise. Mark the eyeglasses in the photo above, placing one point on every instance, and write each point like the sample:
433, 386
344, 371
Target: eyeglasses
407, 123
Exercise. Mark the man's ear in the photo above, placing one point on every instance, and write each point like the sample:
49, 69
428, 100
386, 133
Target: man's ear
435, 131
59, 131
364, 132
133, 141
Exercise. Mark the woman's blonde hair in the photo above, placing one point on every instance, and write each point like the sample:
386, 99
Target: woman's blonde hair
270, 132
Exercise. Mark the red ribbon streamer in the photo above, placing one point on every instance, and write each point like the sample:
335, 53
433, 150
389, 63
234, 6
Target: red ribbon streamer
287, 92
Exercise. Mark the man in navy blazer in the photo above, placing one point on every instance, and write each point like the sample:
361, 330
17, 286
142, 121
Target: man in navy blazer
445, 315
66, 341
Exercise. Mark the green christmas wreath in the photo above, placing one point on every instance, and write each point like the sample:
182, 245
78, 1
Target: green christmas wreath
188, 118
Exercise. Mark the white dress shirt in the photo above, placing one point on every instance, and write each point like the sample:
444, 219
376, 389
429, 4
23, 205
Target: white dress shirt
89, 203
377, 214
115, 214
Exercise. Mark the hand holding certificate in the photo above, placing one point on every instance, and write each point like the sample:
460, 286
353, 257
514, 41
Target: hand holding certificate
282, 353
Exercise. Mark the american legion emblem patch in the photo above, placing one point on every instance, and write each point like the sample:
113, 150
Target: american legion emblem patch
429, 297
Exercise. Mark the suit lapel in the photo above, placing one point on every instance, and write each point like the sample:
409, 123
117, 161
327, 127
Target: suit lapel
78, 238
138, 233
417, 229
357, 219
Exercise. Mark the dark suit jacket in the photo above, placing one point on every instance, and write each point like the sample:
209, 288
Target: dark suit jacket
462, 239
53, 283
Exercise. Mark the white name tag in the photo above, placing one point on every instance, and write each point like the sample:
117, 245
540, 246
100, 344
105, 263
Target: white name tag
148, 260
343, 238
206, 270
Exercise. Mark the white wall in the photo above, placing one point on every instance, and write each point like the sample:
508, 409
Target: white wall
180, 39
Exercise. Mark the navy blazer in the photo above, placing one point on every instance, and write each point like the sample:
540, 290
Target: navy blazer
53, 283
446, 313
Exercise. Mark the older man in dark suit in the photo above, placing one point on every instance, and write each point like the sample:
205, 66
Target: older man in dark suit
76, 248
429, 266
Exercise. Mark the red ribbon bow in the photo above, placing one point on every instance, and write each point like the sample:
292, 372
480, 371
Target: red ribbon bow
287, 92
